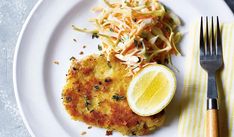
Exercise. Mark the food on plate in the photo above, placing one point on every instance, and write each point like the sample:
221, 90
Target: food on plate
96, 92
138, 31
124, 88
151, 90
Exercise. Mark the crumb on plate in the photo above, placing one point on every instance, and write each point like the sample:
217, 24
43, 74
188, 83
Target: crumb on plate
56, 62
81, 53
74, 40
108, 132
72, 58
83, 133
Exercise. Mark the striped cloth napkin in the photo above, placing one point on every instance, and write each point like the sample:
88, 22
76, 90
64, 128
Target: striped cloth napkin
193, 102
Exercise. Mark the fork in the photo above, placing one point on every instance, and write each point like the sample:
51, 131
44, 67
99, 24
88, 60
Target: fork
211, 59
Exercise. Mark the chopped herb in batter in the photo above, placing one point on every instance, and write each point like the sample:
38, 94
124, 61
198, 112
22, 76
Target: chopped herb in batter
96, 87
109, 64
68, 99
87, 102
117, 97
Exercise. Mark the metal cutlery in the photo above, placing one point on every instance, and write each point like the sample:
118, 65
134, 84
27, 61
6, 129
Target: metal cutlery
211, 59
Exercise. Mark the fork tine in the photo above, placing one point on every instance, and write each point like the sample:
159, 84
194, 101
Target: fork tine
213, 39
207, 38
202, 45
219, 39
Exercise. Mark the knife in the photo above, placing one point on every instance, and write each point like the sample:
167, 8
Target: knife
230, 3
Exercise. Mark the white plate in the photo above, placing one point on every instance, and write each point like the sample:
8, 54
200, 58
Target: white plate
47, 36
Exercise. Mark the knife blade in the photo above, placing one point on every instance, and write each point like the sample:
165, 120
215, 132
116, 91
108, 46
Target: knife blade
230, 3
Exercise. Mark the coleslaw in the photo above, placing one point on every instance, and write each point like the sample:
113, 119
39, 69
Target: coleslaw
139, 32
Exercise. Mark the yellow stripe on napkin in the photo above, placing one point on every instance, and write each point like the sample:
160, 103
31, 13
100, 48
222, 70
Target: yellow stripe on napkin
193, 102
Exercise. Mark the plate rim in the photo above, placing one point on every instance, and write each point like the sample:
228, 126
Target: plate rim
15, 58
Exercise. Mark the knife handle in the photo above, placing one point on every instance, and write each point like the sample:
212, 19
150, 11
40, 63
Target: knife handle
212, 126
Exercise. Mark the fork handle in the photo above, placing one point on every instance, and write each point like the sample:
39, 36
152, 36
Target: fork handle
212, 127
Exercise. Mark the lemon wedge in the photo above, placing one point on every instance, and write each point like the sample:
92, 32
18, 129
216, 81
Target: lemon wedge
151, 90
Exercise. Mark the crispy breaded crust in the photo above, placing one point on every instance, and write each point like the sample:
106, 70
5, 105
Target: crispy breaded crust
95, 93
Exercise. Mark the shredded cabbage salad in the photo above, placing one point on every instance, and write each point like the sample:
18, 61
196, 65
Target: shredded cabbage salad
139, 32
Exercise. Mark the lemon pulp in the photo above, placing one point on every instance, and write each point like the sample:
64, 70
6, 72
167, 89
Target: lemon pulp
153, 88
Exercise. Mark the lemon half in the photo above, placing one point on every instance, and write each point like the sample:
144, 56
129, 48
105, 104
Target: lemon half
151, 90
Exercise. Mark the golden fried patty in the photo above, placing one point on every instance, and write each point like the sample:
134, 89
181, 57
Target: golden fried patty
95, 93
